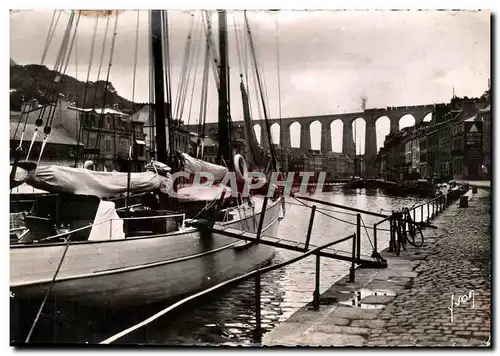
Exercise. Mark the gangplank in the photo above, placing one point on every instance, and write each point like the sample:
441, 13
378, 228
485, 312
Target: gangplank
300, 246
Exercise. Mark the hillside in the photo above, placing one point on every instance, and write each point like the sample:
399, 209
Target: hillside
22, 81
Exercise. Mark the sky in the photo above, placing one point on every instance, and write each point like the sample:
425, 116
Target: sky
323, 61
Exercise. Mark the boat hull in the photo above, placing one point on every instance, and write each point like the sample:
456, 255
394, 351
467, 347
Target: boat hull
140, 270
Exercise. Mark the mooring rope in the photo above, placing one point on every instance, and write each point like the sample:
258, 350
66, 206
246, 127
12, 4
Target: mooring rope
35, 322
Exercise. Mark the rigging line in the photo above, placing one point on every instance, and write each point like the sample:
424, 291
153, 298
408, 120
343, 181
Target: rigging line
133, 79
203, 102
333, 217
238, 50
112, 50
103, 47
168, 81
35, 80
198, 55
93, 113
191, 62
50, 120
39, 121
76, 96
211, 43
135, 56
68, 57
152, 132
194, 61
326, 210
50, 34
35, 322
279, 86
245, 49
167, 63
261, 72
182, 73
266, 115
213, 52
58, 64
366, 231
92, 48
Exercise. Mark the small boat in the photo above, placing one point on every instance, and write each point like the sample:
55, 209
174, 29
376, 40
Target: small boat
356, 183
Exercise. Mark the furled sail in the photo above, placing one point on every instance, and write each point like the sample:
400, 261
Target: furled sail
193, 165
58, 179
256, 152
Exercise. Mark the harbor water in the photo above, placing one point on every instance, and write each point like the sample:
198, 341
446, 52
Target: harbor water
227, 317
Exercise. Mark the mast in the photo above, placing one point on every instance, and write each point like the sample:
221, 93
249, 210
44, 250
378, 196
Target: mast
159, 92
224, 139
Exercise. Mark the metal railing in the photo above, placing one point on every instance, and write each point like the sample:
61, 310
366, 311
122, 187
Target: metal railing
110, 221
354, 258
257, 275
433, 207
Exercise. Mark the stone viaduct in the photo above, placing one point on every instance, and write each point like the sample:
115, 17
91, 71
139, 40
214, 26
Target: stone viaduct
370, 116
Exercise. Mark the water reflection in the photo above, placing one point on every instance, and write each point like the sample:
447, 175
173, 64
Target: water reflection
228, 317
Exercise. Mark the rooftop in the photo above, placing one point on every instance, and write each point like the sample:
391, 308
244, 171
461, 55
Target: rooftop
57, 135
102, 111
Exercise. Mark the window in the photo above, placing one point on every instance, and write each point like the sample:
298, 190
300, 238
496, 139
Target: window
71, 151
91, 142
138, 127
109, 121
107, 145
123, 145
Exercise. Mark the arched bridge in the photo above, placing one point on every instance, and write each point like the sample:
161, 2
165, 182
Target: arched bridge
419, 112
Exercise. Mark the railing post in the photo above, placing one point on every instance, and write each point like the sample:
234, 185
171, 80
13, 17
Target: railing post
413, 210
358, 235
353, 263
309, 229
316, 287
262, 216
375, 237
422, 213
258, 330
391, 234
428, 212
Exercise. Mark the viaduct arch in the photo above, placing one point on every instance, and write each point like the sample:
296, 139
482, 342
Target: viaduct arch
370, 116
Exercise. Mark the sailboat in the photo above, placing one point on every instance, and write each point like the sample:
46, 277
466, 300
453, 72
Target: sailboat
80, 247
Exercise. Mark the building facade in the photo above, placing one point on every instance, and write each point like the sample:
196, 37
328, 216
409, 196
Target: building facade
146, 115
112, 139
439, 149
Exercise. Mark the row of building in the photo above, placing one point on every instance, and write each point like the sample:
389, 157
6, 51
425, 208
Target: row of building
456, 144
110, 138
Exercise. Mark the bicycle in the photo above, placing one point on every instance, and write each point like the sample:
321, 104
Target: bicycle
413, 235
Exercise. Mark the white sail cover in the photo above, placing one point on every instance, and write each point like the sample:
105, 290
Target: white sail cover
193, 165
203, 193
59, 179
107, 224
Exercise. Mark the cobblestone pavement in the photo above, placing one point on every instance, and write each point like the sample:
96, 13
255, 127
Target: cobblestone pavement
408, 303
458, 263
